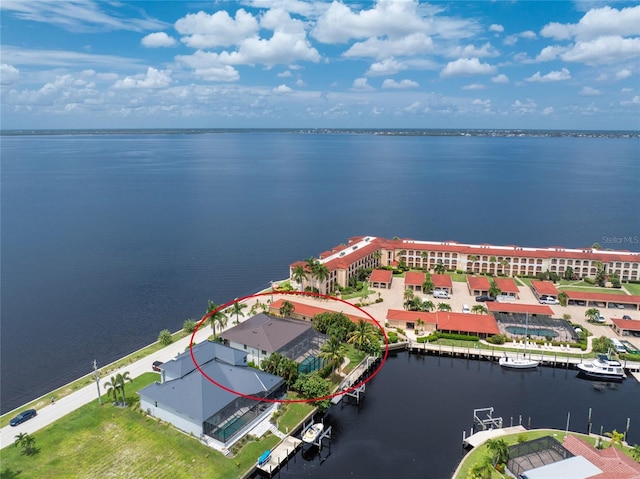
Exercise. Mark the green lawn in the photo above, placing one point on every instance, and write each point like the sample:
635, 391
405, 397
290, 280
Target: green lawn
590, 289
633, 288
107, 441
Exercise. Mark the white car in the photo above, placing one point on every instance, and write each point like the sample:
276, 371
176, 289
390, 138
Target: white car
465, 308
600, 319
549, 301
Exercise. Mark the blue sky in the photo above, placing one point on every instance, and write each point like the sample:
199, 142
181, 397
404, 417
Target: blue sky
309, 64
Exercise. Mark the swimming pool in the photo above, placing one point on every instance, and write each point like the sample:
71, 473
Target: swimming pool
542, 332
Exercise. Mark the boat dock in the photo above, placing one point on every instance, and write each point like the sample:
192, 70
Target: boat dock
482, 436
287, 447
546, 357
354, 377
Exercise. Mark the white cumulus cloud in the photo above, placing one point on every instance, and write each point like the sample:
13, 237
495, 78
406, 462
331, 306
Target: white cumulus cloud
466, 66
496, 28
361, 84
152, 79
203, 30
474, 86
597, 22
282, 89
589, 91
158, 39
552, 76
8, 74
385, 67
401, 85
603, 50
501, 78
624, 73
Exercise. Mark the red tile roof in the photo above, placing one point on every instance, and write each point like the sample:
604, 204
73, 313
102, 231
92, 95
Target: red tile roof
310, 311
478, 283
544, 287
355, 255
611, 461
411, 316
497, 307
612, 297
442, 281
381, 276
414, 278
628, 324
467, 323
507, 285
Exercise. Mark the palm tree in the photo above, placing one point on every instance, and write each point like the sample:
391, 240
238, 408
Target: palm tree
333, 351
504, 263
479, 309
363, 335
312, 266
298, 274
616, 437
500, 450
444, 307
473, 258
121, 379
427, 306
409, 296
635, 452
439, 268
592, 314
377, 254
322, 273
286, 309
483, 469
494, 291
425, 259
27, 442
112, 386
237, 309
492, 263
216, 317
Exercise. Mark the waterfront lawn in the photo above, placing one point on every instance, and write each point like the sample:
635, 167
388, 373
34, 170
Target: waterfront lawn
107, 441
292, 413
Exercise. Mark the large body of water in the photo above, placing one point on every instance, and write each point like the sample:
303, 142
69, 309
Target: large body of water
411, 421
107, 239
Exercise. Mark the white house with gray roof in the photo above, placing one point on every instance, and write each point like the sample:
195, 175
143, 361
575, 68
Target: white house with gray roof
262, 335
194, 404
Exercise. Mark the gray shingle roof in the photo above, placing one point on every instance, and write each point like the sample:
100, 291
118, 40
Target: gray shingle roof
267, 333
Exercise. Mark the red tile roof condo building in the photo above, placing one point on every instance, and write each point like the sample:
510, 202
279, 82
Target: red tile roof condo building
344, 261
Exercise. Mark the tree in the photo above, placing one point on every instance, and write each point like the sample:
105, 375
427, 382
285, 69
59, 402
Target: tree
563, 298
427, 306
333, 324
333, 351
492, 262
189, 326
493, 289
444, 307
113, 387
479, 309
473, 258
504, 263
121, 379
298, 274
322, 273
409, 296
165, 337
635, 452
312, 386
216, 316
482, 469
616, 437
27, 442
363, 335
287, 308
237, 309
439, 268
499, 449
592, 314
425, 258
568, 273
601, 344
428, 285
596, 246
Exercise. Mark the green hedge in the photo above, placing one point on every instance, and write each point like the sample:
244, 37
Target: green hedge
458, 337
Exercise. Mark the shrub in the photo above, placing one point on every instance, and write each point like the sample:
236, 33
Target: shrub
497, 339
189, 326
165, 337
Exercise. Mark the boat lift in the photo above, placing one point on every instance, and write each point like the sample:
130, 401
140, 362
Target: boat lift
326, 432
489, 422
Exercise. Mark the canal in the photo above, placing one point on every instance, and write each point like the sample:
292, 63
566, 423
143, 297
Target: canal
411, 421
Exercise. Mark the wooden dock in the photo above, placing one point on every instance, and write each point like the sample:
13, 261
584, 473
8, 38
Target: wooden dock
545, 357
287, 447
353, 378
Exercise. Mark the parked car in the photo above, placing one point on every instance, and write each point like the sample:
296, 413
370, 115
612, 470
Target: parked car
549, 300
600, 319
441, 293
484, 297
23, 416
156, 365
465, 308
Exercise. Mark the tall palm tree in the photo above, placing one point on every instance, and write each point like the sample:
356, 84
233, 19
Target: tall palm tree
112, 386
504, 263
237, 310
333, 351
322, 273
444, 307
500, 450
425, 259
439, 268
363, 335
592, 314
409, 296
217, 317
473, 258
121, 379
377, 254
298, 274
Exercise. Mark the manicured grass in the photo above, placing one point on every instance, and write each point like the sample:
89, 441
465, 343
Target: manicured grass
590, 289
458, 277
87, 380
633, 288
354, 356
292, 414
523, 281
107, 441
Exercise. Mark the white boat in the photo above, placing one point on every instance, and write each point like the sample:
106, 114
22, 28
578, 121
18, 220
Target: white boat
603, 368
520, 362
517, 363
312, 433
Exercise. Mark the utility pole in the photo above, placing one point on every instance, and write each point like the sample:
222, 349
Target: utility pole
96, 374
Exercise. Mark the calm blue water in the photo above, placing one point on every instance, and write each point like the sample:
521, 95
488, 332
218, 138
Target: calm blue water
107, 239
547, 333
